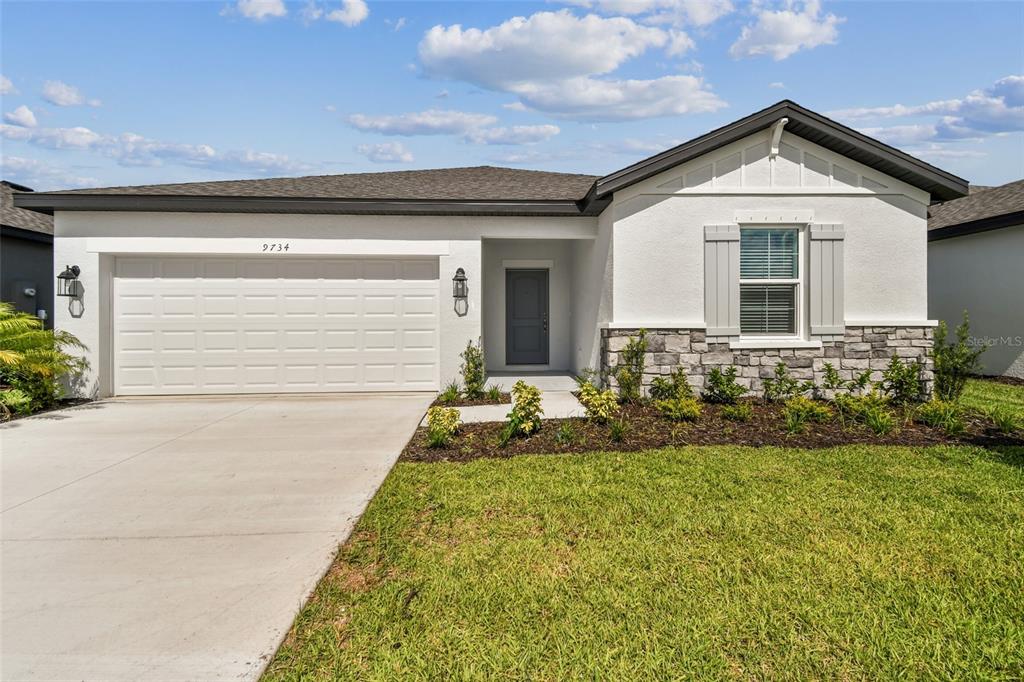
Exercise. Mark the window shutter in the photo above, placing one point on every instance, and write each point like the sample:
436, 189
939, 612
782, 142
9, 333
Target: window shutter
825, 279
722, 279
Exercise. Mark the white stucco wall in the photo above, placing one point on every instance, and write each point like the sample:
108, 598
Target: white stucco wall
556, 256
92, 239
982, 274
593, 278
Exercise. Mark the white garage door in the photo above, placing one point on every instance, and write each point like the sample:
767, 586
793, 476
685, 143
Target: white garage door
268, 325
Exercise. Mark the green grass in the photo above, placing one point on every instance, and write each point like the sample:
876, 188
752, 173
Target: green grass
983, 395
723, 562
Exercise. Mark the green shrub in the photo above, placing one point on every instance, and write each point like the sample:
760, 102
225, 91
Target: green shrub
679, 409
954, 362
474, 374
617, 429
493, 393
799, 410
831, 381
722, 387
33, 360
566, 434
1004, 418
587, 375
901, 381
442, 424
674, 385
879, 420
14, 401
941, 414
600, 405
630, 373
740, 412
871, 409
450, 394
524, 419
782, 386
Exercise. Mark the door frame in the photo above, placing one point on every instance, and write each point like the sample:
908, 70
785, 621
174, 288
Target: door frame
546, 269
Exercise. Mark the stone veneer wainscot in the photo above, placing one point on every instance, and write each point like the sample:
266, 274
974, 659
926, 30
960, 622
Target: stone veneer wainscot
858, 349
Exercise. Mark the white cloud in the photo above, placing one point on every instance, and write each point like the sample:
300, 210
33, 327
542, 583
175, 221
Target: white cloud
260, 10
330, 108
430, 122
396, 25
442, 95
995, 110
7, 87
386, 152
550, 60
22, 116
54, 138
782, 33
64, 95
513, 135
779, 85
514, 106
351, 13
42, 176
311, 12
675, 12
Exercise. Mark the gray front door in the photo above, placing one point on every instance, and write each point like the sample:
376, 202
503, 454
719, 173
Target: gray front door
526, 317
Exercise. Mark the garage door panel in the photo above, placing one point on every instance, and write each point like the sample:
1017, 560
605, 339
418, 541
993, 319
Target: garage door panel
204, 326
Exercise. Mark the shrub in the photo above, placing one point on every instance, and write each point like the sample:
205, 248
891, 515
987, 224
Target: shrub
524, 419
631, 372
587, 375
600, 405
33, 360
617, 429
473, 371
14, 401
871, 409
740, 412
902, 381
954, 362
493, 393
450, 394
674, 385
782, 386
722, 387
831, 381
941, 414
1004, 418
799, 410
678, 409
442, 424
879, 420
566, 434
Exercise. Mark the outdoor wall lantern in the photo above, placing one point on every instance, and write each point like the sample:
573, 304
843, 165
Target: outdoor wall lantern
460, 288
67, 281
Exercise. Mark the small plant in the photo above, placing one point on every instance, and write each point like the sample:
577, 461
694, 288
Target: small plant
954, 362
600, 405
782, 386
473, 371
442, 424
740, 412
722, 387
679, 409
902, 381
941, 414
493, 393
34, 360
450, 394
631, 372
860, 382
524, 419
566, 434
617, 429
1005, 419
674, 385
587, 376
14, 401
831, 381
879, 420
799, 410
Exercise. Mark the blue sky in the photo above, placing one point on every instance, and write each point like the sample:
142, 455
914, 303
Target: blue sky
100, 93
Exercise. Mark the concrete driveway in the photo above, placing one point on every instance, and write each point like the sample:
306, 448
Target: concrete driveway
175, 539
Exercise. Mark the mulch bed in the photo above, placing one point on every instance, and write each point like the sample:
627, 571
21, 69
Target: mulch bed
648, 430
506, 399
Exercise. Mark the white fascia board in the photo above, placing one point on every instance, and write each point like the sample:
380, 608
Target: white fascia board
892, 323
254, 246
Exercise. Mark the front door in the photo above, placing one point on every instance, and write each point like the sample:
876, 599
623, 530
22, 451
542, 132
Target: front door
526, 317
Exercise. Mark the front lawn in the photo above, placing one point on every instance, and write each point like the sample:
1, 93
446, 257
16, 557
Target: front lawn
858, 562
986, 394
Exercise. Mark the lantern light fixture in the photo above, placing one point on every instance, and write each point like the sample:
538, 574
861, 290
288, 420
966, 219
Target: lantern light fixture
460, 286
67, 281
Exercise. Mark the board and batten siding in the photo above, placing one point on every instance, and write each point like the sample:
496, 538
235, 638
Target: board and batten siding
825, 278
722, 279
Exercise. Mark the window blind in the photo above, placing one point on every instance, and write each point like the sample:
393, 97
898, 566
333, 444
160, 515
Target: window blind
768, 309
768, 254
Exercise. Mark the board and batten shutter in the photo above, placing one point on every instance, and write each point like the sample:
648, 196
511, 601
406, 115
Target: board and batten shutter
825, 279
722, 279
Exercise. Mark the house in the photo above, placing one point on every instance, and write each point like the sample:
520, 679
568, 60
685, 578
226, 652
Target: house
975, 260
781, 236
26, 256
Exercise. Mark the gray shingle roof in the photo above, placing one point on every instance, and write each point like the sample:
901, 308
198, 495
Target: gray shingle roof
10, 216
479, 183
986, 203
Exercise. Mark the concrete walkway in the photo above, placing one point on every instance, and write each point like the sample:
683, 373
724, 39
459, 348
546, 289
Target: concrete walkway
175, 539
556, 397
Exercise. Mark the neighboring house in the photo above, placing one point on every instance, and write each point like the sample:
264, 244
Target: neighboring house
783, 235
976, 263
26, 256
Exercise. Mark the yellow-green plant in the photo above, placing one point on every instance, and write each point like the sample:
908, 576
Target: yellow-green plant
33, 360
524, 419
442, 424
679, 409
799, 410
940, 414
600, 405
740, 412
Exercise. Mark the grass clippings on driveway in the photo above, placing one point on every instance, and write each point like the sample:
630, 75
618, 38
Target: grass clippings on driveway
860, 562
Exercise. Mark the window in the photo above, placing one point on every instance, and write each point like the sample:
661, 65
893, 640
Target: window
769, 281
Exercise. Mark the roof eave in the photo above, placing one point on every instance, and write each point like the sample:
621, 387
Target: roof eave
975, 226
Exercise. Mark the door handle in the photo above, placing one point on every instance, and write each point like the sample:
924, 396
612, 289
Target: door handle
545, 318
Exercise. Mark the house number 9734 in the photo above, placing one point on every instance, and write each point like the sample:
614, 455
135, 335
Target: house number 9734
277, 246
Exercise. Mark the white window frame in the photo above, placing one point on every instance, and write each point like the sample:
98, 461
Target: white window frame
799, 321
